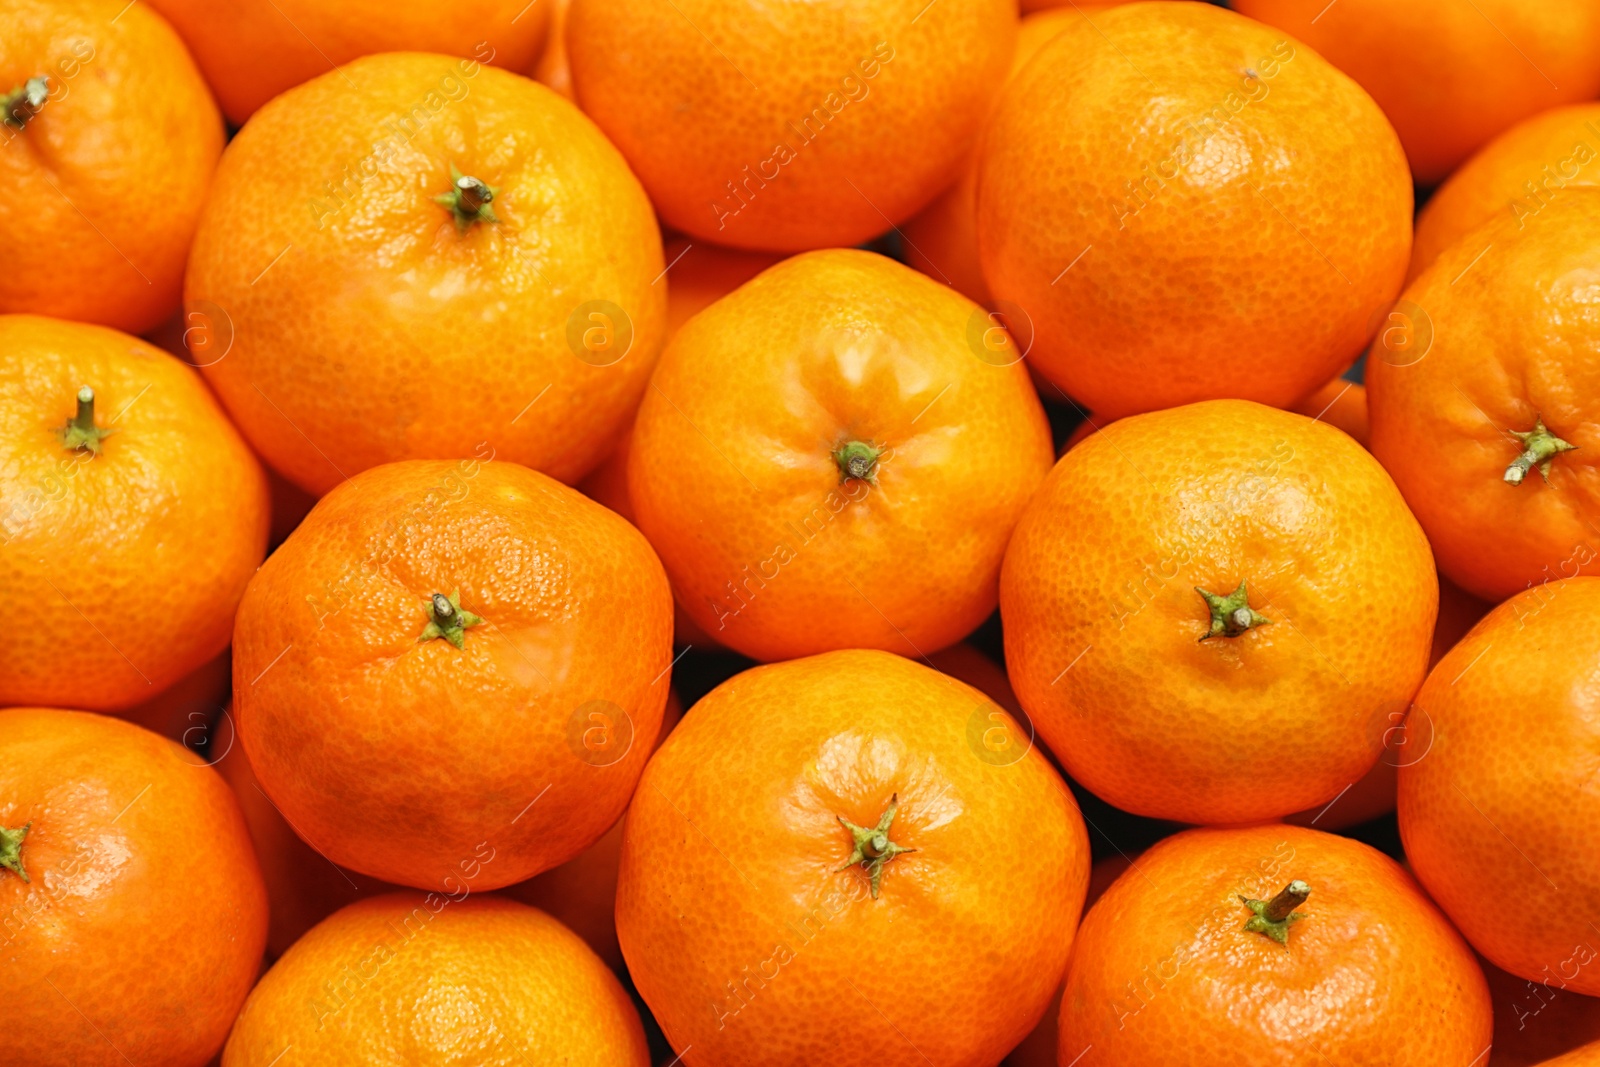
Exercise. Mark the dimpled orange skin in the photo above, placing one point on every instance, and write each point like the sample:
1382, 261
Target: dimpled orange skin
376, 331
1374, 795
371, 741
1512, 340
427, 979
130, 563
303, 887
139, 931
700, 275
1500, 809
1288, 223
104, 184
1340, 403
1164, 971
1451, 75
942, 240
850, 117
582, 893
607, 485
252, 50
1103, 623
1552, 151
732, 474
1038, 1049
730, 873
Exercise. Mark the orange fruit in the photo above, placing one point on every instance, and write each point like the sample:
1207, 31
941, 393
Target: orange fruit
108, 138
252, 50
552, 69
132, 906
608, 485
1500, 807
1262, 195
1587, 1056
1340, 403
436, 979
1403, 740
1475, 416
699, 275
371, 323
1038, 1049
582, 893
1451, 75
831, 457
1515, 175
303, 886
1191, 588
942, 240
791, 127
809, 827
132, 516
421, 608
1535, 1022
1272, 944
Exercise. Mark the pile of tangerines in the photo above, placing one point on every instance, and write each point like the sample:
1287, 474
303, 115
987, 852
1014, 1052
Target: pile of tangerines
754, 534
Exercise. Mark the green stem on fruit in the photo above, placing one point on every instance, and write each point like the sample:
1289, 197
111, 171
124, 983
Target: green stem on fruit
24, 102
1539, 447
468, 200
1231, 615
448, 619
872, 845
80, 432
857, 460
11, 850
1272, 917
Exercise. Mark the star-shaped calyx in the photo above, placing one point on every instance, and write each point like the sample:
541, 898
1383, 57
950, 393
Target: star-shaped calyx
1231, 615
11, 850
448, 619
1539, 447
1272, 917
468, 200
24, 102
80, 433
872, 845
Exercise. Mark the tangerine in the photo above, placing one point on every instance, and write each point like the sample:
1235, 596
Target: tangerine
133, 910
831, 457
1262, 195
417, 255
110, 140
133, 516
1192, 588
421, 608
